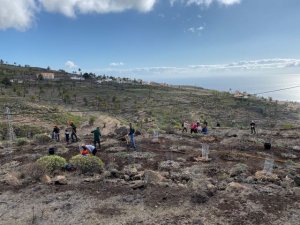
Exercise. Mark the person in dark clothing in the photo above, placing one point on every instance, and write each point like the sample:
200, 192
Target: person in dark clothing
55, 133
73, 133
97, 135
252, 126
131, 135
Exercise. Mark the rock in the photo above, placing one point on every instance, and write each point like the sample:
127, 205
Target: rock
297, 181
211, 189
296, 148
130, 170
46, 179
238, 169
199, 198
137, 184
231, 134
288, 156
296, 191
93, 179
12, 180
169, 165
60, 180
126, 177
263, 176
234, 186
152, 177
201, 159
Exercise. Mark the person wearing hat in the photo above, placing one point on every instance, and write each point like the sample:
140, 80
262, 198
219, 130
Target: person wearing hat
252, 126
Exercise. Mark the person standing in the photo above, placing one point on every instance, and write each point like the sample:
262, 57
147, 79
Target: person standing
252, 127
97, 135
74, 132
67, 136
55, 133
131, 135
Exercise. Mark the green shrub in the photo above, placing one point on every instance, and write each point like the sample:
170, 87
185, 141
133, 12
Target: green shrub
87, 163
42, 138
51, 162
92, 120
22, 141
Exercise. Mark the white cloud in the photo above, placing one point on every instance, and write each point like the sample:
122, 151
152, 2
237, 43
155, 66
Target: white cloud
71, 65
72, 7
205, 2
115, 64
196, 29
18, 14
263, 65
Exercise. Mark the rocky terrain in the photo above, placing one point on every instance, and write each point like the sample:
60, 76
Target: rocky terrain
164, 182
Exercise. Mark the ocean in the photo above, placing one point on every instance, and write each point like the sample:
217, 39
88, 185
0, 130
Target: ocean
251, 84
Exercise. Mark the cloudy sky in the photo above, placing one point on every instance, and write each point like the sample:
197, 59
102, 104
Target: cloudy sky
153, 39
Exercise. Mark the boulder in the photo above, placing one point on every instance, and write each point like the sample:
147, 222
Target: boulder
169, 165
238, 169
234, 186
297, 181
152, 177
263, 176
130, 170
296, 191
60, 180
12, 180
296, 148
288, 156
137, 184
199, 198
46, 179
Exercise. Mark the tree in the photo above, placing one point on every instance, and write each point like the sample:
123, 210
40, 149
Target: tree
40, 77
6, 82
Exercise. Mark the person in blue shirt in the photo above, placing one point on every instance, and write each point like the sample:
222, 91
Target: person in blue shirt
204, 129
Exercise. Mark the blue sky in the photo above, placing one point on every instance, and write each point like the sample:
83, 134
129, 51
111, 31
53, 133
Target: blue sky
153, 39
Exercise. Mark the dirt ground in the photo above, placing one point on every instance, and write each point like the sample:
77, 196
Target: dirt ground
164, 182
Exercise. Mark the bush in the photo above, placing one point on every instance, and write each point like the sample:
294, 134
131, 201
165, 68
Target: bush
51, 162
42, 138
22, 141
87, 163
92, 120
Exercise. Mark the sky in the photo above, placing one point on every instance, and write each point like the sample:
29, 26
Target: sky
160, 40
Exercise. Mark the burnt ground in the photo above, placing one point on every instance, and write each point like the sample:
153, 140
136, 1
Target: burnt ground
181, 189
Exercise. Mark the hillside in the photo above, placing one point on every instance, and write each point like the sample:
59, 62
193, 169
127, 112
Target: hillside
165, 181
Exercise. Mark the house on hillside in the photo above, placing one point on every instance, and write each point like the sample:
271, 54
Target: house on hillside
46, 76
239, 94
77, 78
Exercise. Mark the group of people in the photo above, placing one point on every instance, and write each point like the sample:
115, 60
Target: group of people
71, 128
87, 149
195, 127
